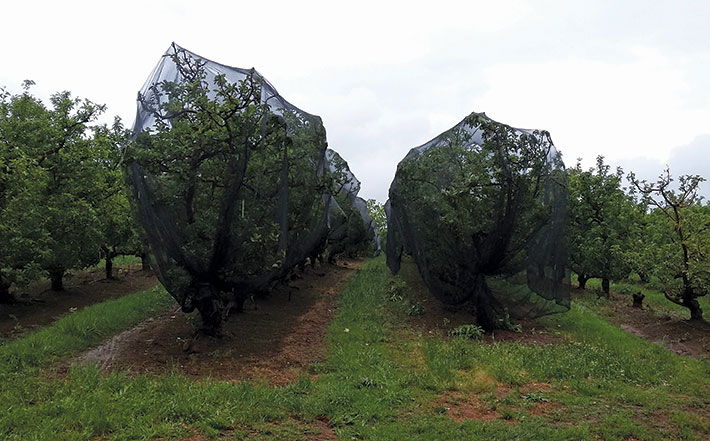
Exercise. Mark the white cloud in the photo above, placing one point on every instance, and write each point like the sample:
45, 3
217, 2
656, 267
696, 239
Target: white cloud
388, 76
592, 107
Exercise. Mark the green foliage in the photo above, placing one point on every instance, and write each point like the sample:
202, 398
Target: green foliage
467, 331
377, 213
469, 211
80, 330
416, 309
23, 237
351, 230
52, 182
381, 380
117, 224
457, 189
604, 222
236, 187
355, 240
678, 239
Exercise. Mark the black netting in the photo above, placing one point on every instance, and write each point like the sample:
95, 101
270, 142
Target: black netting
482, 209
352, 228
229, 182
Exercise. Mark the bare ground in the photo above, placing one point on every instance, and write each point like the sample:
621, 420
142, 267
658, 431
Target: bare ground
38, 306
690, 338
461, 406
274, 340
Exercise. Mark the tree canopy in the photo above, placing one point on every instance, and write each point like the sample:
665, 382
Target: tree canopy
229, 183
483, 200
603, 224
51, 181
677, 237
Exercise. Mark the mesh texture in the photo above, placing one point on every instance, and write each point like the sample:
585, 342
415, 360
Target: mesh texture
482, 209
252, 203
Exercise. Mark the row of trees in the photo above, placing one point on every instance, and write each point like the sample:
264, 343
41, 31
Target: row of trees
234, 186
658, 230
63, 202
231, 190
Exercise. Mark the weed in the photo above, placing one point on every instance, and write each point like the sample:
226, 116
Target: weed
505, 323
467, 331
416, 309
507, 414
534, 397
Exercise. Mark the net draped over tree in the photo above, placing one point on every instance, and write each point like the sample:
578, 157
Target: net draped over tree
482, 209
350, 224
229, 182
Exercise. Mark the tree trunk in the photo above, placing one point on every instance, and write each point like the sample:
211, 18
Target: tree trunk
644, 277
638, 300
211, 309
145, 265
605, 286
485, 314
5, 296
57, 278
582, 279
109, 266
691, 302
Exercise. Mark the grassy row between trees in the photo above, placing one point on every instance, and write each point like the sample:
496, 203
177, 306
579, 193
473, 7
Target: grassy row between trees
382, 379
79, 330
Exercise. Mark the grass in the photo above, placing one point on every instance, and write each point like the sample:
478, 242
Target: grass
119, 262
80, 330
382, 380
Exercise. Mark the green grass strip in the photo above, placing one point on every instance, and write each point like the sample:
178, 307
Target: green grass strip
380, 381
80, 330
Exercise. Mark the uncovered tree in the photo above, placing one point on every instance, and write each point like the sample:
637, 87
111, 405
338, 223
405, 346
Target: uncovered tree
679, 235
603, 220
51, 173
22, 235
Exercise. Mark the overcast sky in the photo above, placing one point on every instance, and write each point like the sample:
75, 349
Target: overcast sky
623, 79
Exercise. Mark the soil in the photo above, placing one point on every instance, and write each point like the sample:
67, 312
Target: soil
274, 340
690, 338
461, 406
38, 306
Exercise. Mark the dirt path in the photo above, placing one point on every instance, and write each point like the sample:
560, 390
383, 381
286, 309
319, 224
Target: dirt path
684, 337
273, 341
38, 306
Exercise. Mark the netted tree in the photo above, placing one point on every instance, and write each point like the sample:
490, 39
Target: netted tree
229, 182
351, 228
483, 203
